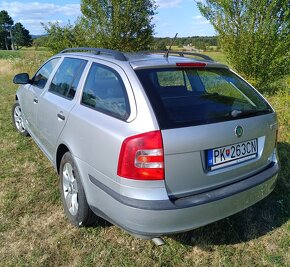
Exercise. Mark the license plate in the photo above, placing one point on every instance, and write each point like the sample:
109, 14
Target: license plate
232, 154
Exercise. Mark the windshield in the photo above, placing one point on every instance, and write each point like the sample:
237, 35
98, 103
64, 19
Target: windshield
186, 97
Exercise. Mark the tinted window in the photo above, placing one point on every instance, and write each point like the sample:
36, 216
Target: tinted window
104, 91
186, 97
41, 77
67, 77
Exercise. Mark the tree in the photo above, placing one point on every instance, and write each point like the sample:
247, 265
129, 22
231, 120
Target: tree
21, 36
40, 41
118, 24
200, 44
254, 35
159, 44
6, 23
60, 38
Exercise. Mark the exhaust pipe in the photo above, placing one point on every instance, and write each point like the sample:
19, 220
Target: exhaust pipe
158, 241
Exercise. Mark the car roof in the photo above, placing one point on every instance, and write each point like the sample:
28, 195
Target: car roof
141, 61
145, 59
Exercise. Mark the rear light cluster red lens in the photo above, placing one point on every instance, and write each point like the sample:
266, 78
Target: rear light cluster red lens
191, 64
142, 157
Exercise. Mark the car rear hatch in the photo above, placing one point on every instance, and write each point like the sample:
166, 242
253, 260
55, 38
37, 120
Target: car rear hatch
216, 128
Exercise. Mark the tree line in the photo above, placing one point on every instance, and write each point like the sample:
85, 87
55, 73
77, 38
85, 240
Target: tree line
254, 35
199, 42
12, 36
205, 43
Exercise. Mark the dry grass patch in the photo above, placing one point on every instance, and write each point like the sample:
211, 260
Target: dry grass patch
6, 67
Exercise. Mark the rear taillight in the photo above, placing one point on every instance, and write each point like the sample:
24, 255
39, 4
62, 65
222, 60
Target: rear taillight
142, 157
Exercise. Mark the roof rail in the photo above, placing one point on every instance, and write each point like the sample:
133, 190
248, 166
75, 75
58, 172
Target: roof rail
116, 54
181, 54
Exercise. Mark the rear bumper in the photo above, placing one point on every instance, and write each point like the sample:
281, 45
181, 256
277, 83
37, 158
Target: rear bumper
160, 217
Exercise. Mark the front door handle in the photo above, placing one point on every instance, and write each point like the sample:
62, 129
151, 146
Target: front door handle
35, 100
61, 116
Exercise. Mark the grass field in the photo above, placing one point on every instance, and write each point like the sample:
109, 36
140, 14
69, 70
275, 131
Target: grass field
34, 231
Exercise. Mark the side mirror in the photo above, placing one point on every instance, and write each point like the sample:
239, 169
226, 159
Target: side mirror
21, 78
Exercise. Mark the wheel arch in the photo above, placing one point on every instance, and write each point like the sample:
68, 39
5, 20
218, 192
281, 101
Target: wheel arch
61, 150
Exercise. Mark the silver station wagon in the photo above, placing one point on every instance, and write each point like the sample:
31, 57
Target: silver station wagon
156, 143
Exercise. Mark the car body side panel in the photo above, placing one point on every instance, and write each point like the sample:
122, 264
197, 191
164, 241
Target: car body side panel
29, 96
29, 105
95, 139
48, 122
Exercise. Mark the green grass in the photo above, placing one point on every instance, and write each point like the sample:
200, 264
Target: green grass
217, 56
9, 54
25, 53
34, 231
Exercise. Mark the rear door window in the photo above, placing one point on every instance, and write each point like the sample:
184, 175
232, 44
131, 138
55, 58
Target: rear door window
192, 96
67, 77
104, 91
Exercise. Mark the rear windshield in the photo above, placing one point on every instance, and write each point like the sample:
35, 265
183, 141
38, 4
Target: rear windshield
195, 96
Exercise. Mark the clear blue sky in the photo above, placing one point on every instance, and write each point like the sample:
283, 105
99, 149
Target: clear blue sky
173, 16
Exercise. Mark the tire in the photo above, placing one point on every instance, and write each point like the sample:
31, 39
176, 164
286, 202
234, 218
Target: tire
73, 196
17, 119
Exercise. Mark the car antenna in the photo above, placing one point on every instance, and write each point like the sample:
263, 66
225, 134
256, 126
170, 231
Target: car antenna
167, 53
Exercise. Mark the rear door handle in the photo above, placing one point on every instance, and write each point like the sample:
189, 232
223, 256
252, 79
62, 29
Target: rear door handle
35, 100
61, 116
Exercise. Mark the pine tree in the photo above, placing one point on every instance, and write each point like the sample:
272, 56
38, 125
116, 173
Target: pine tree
21, 36
6, 23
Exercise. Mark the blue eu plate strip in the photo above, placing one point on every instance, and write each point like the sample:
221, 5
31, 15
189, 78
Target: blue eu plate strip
210, 157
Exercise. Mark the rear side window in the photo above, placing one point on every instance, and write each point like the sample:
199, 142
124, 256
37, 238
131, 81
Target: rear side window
184, 97
42, 75
104, 91
67, 77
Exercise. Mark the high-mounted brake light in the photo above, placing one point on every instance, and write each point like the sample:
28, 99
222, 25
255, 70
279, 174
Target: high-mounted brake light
191, 64
142, 157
